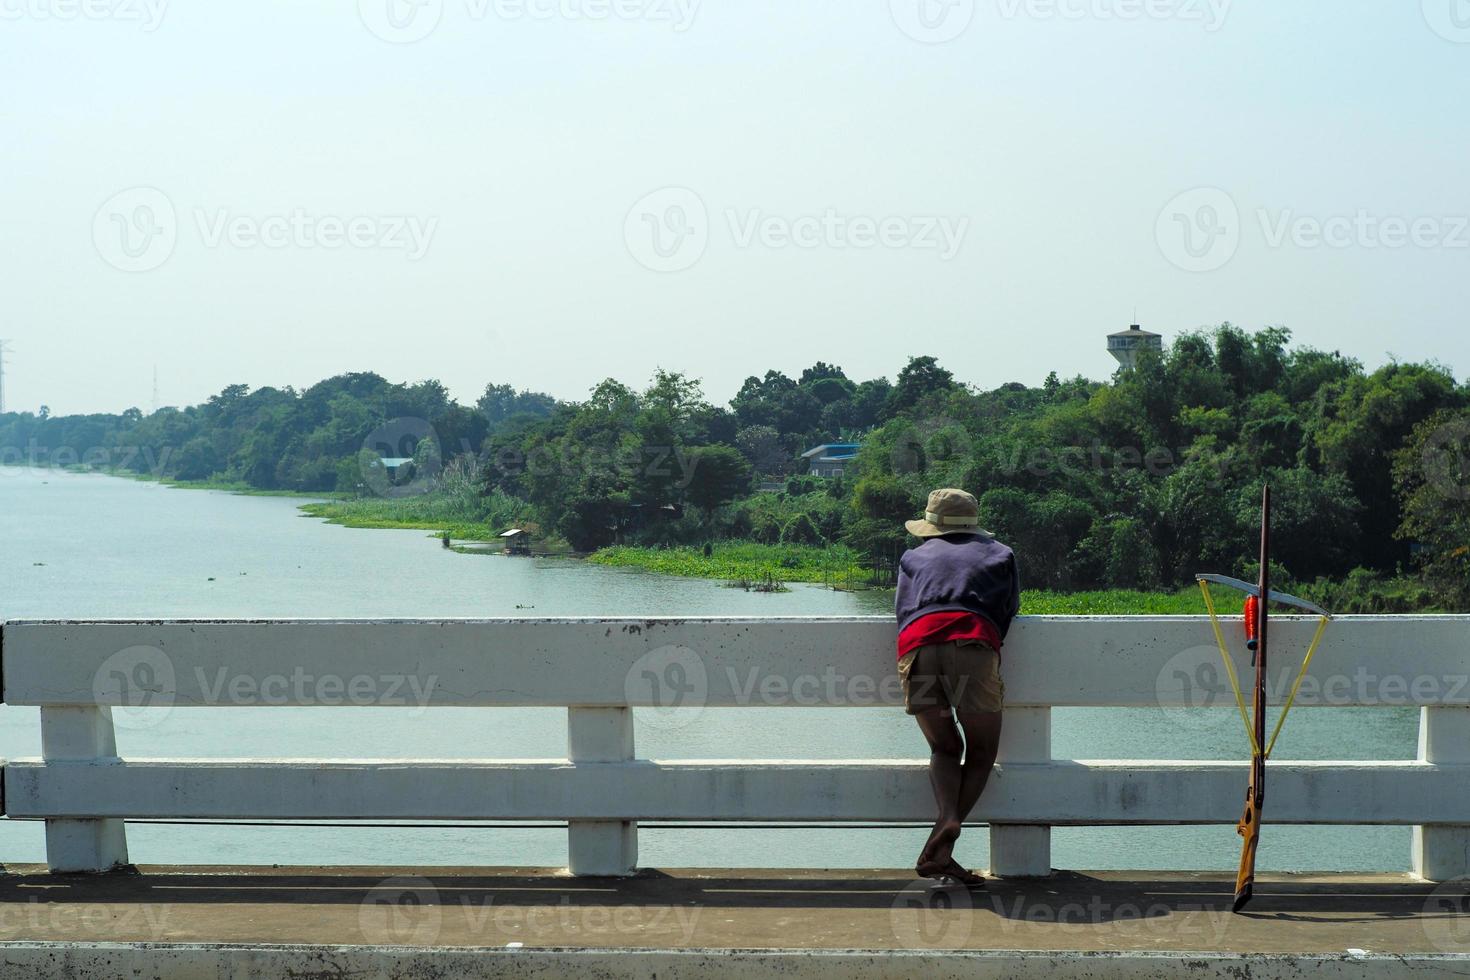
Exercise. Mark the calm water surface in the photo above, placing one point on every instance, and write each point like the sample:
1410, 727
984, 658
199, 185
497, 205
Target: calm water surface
75, 546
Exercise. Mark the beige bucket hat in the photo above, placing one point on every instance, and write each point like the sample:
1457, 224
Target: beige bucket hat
949, 511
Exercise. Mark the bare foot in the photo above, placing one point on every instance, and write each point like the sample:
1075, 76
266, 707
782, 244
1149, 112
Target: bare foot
931, 869
951, 873
956, 870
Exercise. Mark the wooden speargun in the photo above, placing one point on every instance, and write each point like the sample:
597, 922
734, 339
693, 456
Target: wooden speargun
1257, 626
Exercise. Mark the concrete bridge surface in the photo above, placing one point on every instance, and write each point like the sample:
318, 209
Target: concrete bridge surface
367, 923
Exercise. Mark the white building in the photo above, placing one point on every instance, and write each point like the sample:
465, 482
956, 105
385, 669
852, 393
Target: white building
1125, 345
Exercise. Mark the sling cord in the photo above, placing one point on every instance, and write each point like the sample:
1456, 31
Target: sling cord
1235, 682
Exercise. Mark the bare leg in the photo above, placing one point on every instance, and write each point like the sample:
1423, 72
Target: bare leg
982, 741
946, 776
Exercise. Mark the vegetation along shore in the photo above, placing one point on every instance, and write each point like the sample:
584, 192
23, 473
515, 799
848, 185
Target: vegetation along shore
1123, 487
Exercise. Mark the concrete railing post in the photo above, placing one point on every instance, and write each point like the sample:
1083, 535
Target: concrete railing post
1022, 850
1442, 852
81, 734
601, 847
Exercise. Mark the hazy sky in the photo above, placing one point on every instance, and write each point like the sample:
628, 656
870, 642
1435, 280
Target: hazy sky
549, 192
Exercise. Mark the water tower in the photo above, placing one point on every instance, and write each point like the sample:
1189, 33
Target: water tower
1125, 345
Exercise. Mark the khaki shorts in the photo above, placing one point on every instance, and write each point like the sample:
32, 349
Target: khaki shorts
950, 675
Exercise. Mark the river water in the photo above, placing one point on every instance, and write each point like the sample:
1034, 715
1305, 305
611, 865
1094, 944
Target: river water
80, 546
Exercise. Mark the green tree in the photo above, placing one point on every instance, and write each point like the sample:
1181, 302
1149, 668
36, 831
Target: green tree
717, 475
821, 371
1361, 422
922, 376
870, 403
1315, 521
197, 460
829, 390
500, 403
1044, 531
1197, 527
762, 446
1432, 478
1119, 553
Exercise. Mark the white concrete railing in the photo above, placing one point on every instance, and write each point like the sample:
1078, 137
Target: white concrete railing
78, 672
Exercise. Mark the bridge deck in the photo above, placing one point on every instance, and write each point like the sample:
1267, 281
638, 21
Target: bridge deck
701, 910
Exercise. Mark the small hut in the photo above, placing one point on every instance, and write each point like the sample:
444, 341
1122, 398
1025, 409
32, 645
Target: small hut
517, 541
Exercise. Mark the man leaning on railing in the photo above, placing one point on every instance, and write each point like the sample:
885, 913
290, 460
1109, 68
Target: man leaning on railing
957, 594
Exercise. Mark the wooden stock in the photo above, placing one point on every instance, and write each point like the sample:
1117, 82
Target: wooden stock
1249, 828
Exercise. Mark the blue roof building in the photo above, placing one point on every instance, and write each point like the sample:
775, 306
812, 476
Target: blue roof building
830, 459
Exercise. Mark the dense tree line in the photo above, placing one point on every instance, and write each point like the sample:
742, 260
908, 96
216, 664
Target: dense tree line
1133, 483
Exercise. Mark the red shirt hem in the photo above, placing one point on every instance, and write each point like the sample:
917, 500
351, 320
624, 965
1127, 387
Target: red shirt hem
947, 627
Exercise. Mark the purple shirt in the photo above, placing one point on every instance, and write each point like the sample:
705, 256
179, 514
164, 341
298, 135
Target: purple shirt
971, 572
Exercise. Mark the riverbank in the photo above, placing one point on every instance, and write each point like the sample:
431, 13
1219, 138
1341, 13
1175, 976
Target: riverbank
227, 486
467, 517
837, 566
458, 509
841, 568
733, 561
407, 514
